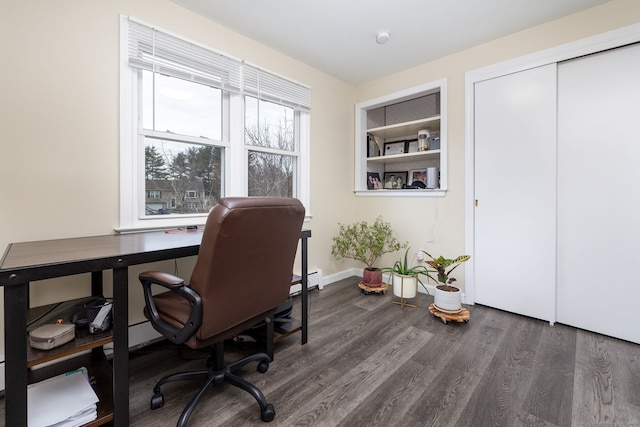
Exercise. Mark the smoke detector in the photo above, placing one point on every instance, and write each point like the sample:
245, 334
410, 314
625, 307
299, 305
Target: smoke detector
383, 37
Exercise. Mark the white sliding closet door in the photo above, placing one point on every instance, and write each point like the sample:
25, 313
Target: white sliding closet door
599, 192
515, 183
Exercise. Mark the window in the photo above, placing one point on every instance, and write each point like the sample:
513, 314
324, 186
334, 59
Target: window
198, 125
271, 154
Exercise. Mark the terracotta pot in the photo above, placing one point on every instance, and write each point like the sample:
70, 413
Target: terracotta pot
372, 277
447, 297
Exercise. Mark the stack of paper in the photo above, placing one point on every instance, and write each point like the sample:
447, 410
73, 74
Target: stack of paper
63, 401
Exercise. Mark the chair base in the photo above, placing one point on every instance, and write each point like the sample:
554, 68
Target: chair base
218, 373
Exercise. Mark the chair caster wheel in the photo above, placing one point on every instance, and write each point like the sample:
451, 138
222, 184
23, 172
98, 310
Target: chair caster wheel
157, 401
268, 413
263, 366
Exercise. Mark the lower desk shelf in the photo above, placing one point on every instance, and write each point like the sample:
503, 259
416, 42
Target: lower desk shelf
82, 342
285, 329
100, 374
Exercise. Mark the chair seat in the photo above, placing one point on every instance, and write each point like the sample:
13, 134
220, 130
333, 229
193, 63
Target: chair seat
175, 310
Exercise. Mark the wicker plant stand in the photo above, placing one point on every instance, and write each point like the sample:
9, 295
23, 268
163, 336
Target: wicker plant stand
462, 315
380, 290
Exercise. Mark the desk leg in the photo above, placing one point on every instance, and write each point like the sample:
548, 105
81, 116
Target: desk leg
15, 347
121, 347
305, 291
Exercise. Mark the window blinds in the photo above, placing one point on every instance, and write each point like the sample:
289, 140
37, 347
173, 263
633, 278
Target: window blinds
268, 86
155, 50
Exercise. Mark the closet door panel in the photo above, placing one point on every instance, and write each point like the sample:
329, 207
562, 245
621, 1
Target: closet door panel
599, 192
515, 182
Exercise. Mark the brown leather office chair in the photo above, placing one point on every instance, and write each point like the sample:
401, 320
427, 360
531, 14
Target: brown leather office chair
243, 271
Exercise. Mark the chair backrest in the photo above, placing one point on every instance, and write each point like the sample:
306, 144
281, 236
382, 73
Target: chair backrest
245, 263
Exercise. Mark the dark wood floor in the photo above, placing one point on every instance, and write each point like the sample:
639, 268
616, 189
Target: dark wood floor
369, 363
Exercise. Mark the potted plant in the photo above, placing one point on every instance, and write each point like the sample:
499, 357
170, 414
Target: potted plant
446, 297
405, 278
366, 243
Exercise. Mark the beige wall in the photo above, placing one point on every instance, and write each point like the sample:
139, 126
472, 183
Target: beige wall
60, 137
438, 224
59, 125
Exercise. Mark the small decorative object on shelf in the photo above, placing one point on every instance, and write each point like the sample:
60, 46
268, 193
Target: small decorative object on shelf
433, 178
373, 181
373, 147
423, 140
395, 180
391, 148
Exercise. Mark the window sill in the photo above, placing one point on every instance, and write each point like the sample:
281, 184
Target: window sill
401, 193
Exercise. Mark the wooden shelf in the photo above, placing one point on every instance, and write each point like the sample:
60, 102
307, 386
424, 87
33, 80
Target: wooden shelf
407, 157
83, 341
285, 329
402, 130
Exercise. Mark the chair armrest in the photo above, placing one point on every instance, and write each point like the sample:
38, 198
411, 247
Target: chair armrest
177, 285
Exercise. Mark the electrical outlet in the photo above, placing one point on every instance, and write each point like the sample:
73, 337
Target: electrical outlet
420, 256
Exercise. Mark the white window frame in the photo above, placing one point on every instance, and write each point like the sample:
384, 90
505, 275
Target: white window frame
235, 152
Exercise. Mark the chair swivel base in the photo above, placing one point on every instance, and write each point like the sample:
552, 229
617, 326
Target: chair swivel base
218, 373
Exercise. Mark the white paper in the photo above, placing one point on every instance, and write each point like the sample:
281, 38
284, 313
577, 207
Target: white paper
56, 399
79, 419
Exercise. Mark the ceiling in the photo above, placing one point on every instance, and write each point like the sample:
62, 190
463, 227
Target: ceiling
339, 36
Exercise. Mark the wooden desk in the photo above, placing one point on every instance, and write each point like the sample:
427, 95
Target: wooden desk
23, 263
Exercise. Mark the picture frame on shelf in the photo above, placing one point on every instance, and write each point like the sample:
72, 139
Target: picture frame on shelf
373, 149
373, 181
395, 180
412, 146
391, 148
419, 175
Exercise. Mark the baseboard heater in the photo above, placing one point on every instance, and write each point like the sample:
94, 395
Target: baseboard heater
314, 280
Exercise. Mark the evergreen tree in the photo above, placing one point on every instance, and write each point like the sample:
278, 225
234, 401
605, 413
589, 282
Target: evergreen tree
154, 164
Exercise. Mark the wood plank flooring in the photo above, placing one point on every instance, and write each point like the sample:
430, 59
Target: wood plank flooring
369, 363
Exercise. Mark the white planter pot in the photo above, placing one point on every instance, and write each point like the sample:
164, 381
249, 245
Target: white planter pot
405, 287
447, 300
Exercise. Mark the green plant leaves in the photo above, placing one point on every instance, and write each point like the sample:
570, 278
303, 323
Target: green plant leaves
365, 243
